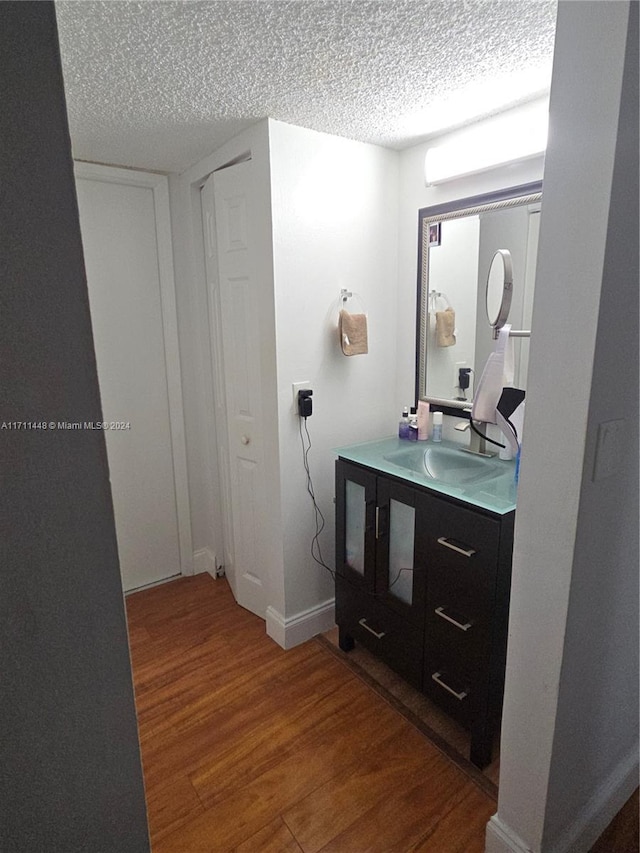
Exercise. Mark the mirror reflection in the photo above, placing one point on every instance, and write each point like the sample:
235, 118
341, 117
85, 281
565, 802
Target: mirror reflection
499, 289
458, 244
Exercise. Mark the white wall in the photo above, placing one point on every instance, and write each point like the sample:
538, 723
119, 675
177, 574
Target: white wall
414, 194
570, 727
335, 206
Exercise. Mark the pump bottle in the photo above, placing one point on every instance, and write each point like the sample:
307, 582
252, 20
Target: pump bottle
403, 426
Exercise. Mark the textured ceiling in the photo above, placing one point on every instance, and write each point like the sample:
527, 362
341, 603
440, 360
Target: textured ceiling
159, 85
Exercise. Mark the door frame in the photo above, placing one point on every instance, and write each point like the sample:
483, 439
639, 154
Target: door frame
159, 186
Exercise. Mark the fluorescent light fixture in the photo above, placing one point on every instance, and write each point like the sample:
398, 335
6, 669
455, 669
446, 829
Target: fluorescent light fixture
517, 135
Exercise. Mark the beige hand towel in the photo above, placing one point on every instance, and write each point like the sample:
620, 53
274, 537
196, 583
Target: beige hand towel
445, 326
353, 333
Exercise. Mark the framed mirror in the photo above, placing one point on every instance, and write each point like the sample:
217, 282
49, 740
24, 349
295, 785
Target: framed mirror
468, 250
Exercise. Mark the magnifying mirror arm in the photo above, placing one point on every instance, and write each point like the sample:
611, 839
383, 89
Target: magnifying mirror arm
514, 333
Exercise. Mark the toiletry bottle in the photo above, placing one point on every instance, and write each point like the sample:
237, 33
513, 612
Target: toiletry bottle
413, 425
403, 426
424, 416
436, 434
505, 453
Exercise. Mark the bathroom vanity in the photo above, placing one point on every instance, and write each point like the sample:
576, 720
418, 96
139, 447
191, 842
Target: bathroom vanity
424, 535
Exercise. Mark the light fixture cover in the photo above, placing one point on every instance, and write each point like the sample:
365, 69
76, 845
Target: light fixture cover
517, 135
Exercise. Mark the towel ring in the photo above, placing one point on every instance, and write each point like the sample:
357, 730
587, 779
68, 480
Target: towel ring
437, 294
345, 295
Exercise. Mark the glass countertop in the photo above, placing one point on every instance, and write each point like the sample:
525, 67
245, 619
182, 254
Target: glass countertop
442, 467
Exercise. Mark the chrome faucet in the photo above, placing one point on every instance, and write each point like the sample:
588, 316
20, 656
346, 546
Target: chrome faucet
478, 438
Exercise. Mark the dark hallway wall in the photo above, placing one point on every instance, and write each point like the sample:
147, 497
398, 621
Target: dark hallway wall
70, 773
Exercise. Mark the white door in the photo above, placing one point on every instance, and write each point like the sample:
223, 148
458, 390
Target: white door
232, 280
119, 235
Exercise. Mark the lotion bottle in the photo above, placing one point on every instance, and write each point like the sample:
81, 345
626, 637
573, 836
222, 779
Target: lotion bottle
403, 426
436, 434
424, 416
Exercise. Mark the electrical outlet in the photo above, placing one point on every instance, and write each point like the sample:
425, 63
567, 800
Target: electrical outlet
456, 374
299, 386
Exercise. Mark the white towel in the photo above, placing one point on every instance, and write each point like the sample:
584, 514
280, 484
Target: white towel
446, 328
353, 333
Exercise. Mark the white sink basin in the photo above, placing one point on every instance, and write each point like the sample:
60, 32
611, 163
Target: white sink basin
446, 465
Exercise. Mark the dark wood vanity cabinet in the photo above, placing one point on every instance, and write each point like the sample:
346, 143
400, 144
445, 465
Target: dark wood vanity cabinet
377, 604
442, 625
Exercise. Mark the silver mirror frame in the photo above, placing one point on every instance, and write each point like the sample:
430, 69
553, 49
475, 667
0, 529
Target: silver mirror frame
502, 199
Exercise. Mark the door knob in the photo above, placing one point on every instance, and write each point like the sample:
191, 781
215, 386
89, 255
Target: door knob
245, 439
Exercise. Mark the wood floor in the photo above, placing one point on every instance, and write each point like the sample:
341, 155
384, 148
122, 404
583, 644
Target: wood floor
249, 748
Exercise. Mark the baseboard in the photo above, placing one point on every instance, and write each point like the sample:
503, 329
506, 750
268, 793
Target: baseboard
605, 803
500, 838
588, 825
204, 560
303, 626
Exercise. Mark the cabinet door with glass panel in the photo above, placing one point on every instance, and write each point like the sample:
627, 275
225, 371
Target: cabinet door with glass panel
380, 598
356, 518
400, 571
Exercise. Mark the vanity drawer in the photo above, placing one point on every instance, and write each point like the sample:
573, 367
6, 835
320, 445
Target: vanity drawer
455, 682
466, 635
383, 631
453, 692
453, 590
461, 545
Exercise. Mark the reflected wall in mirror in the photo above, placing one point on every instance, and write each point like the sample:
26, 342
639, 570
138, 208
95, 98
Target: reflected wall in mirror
457, 242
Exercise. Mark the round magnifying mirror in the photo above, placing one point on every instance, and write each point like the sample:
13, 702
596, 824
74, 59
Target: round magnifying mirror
499, 288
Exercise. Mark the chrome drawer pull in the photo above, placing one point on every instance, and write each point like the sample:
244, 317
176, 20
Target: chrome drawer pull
440, 612
444, 541
459, 696
363, 622
377, 522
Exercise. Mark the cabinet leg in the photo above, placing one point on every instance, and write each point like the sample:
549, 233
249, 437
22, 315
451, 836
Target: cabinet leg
481, 745
345, 642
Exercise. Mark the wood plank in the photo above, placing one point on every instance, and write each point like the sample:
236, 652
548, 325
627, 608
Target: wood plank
397, 764
276, 837
246, 757
246, 747
399, 820
461, 830
171, 803
336, 750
